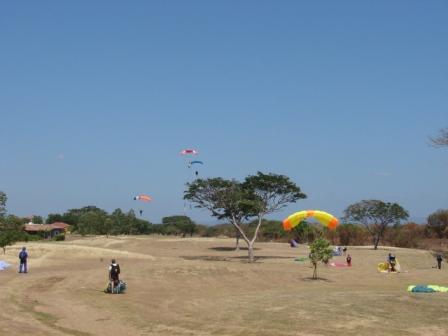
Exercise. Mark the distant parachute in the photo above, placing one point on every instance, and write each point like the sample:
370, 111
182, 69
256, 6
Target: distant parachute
144, 198
189, 152
194, 162
323, 217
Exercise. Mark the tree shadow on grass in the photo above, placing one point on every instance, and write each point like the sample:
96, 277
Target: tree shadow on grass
205, 258
262, 257
229, 259
318, 279
229, 249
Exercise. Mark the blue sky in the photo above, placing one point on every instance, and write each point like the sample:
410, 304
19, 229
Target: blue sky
97, 98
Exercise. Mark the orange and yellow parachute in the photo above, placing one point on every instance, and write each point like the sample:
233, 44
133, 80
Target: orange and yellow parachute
144, 198
323, 217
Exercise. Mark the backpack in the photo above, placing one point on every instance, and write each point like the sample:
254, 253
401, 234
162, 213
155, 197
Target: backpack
115, 269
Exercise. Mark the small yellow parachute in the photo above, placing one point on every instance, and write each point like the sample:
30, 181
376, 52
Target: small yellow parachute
323, 217
384, 267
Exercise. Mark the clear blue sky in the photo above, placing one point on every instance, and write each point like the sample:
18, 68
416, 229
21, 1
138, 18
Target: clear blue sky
97, 98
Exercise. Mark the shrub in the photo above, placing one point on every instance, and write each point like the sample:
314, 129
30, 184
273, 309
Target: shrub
59, 237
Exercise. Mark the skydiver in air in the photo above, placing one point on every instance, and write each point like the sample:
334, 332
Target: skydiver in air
141, 212
197, 173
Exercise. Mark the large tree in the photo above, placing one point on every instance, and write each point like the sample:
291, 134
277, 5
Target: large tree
237, 202
375, 215
10, 230
53, 218
183, 224
438, 223
225, 199
441, 140
270, 193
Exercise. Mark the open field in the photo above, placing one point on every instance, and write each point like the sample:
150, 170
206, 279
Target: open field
200, 286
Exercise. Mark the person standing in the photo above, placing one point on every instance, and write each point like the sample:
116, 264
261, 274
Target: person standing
114, 274
349, 260
392, 261
23, 257
439, 259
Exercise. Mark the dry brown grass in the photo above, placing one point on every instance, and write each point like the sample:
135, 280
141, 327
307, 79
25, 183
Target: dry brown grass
203, 287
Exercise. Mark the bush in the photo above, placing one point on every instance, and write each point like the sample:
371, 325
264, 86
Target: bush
438, 224
27, 237
59, 237
408, 235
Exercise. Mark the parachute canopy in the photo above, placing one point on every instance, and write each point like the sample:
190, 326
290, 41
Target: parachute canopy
144, 198
196, 162
324, 218
189, 151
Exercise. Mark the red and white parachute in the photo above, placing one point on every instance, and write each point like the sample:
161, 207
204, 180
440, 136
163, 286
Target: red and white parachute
189, 152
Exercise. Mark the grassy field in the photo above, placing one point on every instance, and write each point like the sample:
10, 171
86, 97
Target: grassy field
201, 286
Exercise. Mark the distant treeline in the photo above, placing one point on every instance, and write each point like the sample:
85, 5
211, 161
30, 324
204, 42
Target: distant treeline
91, 220
410, 235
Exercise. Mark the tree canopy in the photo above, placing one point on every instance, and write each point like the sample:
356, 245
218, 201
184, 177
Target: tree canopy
179, 225
320, 251
375, 215
257, 196
441, 140
438, 223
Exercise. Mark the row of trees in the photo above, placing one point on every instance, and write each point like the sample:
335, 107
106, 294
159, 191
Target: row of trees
244, 205
409, 234
92, 220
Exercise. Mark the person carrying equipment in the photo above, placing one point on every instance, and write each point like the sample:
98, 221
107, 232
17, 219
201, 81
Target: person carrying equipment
23, 256
114, 274
391, 260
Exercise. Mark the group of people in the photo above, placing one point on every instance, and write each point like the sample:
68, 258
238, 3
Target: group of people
114, 269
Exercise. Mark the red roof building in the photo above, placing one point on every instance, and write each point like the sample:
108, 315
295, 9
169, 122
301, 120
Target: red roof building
48, 230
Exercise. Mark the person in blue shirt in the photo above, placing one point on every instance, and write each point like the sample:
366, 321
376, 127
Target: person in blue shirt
23, 256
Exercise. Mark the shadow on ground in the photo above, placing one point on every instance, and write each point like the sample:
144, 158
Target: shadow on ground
311, 279
238, 258
228, 249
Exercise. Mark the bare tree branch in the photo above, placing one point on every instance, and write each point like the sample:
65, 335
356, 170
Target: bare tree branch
441, 140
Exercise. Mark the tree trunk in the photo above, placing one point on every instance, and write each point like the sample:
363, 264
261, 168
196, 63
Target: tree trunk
252, 242
315, 271
251, 252
237, 236
376, 242
4, 249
